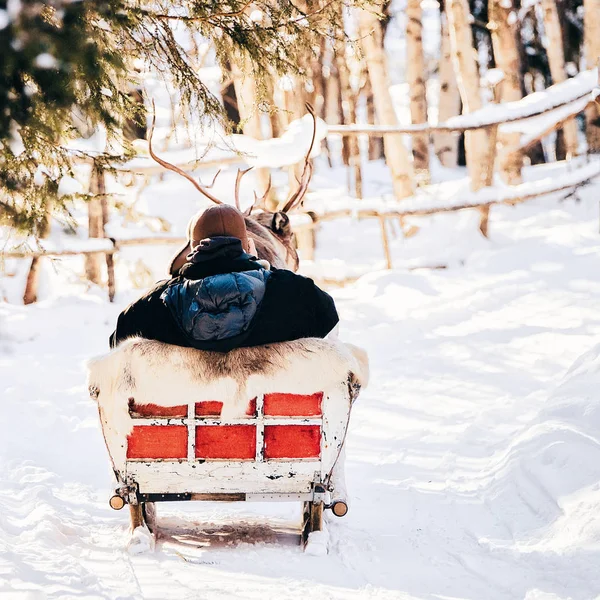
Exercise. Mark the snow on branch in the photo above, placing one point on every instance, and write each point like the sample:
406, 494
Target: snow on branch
533, 105
422, 205
286, 150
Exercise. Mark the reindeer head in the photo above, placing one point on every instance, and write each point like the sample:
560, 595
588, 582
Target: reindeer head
271, 231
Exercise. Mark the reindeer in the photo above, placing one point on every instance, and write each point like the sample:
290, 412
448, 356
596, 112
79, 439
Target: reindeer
271, 231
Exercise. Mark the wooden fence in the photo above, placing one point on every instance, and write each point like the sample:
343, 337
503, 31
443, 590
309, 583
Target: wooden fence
563, 101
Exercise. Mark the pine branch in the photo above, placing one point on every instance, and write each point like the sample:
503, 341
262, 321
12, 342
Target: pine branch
223, 15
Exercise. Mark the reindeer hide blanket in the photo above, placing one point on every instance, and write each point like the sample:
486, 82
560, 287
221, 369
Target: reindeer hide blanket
151, 372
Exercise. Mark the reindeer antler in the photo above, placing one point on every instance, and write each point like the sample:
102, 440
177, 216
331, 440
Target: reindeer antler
238, 180
260, 201
307, 172
170, 167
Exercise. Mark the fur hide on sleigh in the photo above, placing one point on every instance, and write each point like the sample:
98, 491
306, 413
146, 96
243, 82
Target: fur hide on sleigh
151, 372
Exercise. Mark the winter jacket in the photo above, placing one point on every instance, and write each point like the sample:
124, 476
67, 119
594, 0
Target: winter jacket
224, 299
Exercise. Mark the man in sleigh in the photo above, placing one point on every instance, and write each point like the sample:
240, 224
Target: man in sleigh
224, 297
228, 331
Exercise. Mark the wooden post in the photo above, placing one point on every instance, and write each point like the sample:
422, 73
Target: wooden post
306, 238
386, 243
136, 515
31, 285
30, 294
484, 217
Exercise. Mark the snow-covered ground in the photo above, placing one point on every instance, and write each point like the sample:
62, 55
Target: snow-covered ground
473, 466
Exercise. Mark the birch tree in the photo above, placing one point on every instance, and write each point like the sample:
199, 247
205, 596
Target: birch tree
397, 156
503, 25
445, 143
556, 60
591, 38
415, 74
477, 144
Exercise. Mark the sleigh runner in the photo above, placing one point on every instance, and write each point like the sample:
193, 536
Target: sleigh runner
243, 435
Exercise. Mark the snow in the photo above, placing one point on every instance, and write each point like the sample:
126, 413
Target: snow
494, 76
556, 95
4, 19
69, 185
70, 244
289, 149
46, 61
472, 458
534, 127
141, 541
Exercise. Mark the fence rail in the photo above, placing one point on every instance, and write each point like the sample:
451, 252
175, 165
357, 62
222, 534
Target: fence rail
562, 101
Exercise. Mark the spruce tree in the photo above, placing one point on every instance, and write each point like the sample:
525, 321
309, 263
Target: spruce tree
64, 56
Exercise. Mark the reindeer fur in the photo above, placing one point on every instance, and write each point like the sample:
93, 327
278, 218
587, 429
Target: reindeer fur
151, 372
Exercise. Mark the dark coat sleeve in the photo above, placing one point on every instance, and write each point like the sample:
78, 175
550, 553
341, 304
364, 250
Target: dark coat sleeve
326, 316
294, 307
149, 318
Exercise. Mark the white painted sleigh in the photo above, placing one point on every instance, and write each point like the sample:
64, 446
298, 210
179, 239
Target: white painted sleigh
264, 423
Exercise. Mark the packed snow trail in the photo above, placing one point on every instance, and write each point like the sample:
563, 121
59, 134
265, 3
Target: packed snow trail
470, 477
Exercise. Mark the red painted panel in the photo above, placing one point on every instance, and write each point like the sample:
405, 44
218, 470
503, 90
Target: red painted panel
226, 441
156, 441
213, 409
293, 405
292, 441
153, 410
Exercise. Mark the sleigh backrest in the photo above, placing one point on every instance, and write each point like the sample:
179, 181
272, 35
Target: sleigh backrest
277, 427
160, 409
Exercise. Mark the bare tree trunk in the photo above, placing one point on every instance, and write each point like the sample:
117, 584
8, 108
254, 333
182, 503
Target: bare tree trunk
375, 142
349, 114
415, 74
229, 98
506, 53
477, 143
556, 60
276, 118
93, 262
591, 33
396, 154
446, 144
245, 92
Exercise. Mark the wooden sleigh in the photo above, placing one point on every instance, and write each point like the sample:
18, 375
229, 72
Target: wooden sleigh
287, 446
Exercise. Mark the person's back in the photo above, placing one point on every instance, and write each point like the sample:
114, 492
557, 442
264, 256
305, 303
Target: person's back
223, 298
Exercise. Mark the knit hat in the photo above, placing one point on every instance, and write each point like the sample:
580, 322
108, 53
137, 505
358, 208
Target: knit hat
219, 220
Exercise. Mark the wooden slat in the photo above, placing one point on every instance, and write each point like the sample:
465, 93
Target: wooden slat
292, 441
285, 477
292, 405
157, 442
